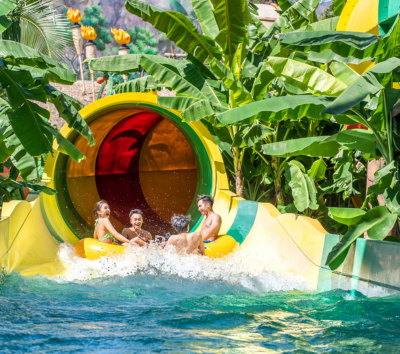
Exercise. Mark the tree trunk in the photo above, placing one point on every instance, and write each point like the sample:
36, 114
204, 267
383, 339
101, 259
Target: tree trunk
277, 181
239, 180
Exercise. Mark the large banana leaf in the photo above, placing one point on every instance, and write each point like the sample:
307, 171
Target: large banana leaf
25, 163
191, 74
171, 78
65, 146
192, 109
6, 6
177, 103
357, 139
306, 77
68, 109
141, 84
328, 24
317, 170
320, 146
278, 108
302, 186
345, 44
377, 222
328, 56
346, 216
300, 11
31, 128
204, 12
232, 17
240, 93
51, 74
352, 96
285, 4
343, 72
255, 133
20, 54
116, 63
177, 28
35, 187
262, 82
368, 83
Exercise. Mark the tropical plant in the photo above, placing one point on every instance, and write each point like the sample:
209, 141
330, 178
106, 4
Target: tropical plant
36, 24
371, 100
25, 131
210, 91
276, 101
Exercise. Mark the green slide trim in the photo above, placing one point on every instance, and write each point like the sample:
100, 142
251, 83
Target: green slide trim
244, 220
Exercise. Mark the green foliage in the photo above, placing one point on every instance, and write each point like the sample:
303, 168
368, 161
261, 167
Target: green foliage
277, 101
38, 25
93, 16
302, 186
25, 131
377, 223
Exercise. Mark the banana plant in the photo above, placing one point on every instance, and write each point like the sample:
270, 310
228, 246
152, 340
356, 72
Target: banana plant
25, 131
371, 100
225, 67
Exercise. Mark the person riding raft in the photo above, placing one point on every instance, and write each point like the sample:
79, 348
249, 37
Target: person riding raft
104, 231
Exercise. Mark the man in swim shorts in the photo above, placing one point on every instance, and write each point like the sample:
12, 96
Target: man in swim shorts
212, 223
135, 233
185, 241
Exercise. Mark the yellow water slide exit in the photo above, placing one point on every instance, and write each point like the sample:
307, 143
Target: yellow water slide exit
147, 157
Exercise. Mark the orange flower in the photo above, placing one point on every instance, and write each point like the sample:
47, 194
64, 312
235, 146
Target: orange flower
121, 37
73, 15
88, 33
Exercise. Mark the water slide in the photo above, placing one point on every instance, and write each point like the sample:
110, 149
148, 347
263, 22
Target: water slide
146, 157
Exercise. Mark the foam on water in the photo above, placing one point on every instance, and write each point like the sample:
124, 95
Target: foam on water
234, 268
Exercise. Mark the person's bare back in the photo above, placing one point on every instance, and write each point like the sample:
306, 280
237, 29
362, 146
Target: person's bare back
185, 241
212, 223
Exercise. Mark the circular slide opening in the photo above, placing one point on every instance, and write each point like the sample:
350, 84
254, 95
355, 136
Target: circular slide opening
145, 158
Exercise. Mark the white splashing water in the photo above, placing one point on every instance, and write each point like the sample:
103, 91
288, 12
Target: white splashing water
233, 269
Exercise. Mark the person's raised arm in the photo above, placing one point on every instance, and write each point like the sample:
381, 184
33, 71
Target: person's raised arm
115, 233
213, 230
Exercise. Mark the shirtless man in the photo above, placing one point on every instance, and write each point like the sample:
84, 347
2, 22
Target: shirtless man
135, 233
185, 241
212, 223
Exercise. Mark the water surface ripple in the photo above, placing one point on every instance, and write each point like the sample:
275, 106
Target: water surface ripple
150, 309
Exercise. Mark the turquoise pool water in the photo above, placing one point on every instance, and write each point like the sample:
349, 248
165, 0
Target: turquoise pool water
157, 308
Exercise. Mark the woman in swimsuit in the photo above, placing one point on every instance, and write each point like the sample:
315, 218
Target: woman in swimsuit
104, 231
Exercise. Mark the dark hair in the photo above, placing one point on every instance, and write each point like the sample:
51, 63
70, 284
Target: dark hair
135, 211
180, 222
97, 207
205, 198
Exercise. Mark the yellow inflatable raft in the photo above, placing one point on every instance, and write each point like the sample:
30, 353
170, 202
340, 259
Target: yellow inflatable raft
92, 249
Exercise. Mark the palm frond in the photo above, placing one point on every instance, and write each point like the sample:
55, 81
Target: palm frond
42, 28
